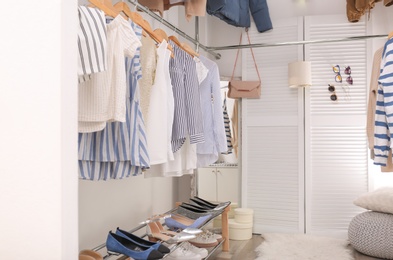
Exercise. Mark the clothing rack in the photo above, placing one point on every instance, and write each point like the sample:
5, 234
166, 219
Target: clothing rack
174, 28
211, 50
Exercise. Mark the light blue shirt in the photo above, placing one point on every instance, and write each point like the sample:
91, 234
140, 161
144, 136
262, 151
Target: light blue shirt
213, 119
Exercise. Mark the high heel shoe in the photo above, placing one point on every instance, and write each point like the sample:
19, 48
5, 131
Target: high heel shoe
189, 230
119, 244
204, 203
176, 222
142, 242
155, 234
155, 218
194, 213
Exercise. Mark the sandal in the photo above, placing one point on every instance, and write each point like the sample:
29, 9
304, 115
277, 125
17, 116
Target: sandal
90, 254
154, 234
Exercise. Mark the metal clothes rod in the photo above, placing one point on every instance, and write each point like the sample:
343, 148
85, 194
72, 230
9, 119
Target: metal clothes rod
254, 45
174, 28
257, 45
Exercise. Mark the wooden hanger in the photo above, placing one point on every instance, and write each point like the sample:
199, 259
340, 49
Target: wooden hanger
390, 36
108, 9
146, 26
185, 47
163, 35
175, 40
190, 50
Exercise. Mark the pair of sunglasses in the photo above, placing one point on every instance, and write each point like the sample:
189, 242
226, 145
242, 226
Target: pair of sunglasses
338, 78
332, 90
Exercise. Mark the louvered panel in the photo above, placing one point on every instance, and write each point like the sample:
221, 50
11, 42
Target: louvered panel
271, 135
351, 98
273, 182
273, 66
338, 159
336, 142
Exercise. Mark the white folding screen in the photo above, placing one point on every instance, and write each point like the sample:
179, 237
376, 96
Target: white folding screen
336, 143
304, 157
272, 134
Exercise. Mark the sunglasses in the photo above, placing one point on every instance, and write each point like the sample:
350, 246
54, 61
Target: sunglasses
348, 72
336, 70
338, 78
332, 90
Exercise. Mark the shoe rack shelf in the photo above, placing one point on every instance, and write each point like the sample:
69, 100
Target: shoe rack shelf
224, 229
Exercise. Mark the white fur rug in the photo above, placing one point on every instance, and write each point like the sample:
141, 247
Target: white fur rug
302, 247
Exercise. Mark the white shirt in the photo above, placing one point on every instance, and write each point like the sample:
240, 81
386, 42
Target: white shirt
157, 121
103, 98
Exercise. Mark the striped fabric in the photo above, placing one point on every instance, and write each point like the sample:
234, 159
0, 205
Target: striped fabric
103, 98
227, 127
188, 115
384, 108
213, 121
91, 42
120, 150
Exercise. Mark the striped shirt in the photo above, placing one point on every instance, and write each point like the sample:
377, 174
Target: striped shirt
92, 45
188, 116
384, 108
120, 150
227, 125
212, 114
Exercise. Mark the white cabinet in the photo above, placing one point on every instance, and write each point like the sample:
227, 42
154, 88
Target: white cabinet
219, 183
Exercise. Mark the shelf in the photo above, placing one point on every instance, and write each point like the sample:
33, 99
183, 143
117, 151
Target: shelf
222, 165
224, 243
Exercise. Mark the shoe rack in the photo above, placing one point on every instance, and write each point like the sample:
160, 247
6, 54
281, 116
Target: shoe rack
224, 243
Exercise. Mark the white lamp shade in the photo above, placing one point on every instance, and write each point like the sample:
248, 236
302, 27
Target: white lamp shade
299, 74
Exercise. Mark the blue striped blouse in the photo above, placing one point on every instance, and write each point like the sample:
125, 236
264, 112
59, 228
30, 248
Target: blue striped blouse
120, 150
188, 116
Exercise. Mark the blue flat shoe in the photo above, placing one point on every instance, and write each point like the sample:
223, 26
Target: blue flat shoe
177, 223
121, 245
142, 242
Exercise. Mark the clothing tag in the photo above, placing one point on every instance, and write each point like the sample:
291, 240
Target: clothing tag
201, 70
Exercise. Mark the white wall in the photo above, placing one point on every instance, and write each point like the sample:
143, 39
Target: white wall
37, 137
105, 205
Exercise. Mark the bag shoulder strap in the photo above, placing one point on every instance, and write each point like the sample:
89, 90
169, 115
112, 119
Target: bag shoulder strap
252, 52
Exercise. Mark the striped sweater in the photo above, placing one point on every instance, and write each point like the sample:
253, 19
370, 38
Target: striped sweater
384, 107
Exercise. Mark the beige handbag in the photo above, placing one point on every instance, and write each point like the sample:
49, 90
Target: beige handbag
244, 89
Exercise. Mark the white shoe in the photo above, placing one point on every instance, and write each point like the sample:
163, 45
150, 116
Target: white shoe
200, 251
216, 236
204, 240
183, 254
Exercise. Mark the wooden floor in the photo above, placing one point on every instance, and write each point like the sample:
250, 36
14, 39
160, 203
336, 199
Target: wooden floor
245, 250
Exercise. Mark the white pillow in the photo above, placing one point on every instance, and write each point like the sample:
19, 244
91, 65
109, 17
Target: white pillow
380, 200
